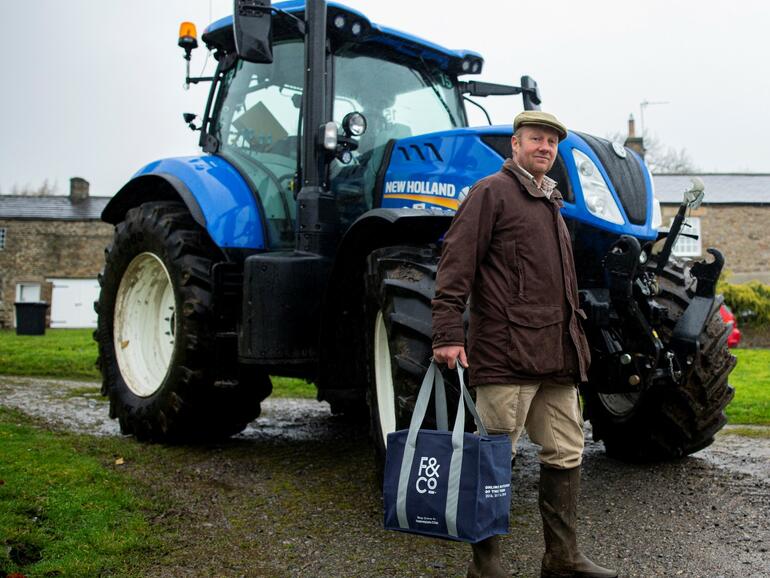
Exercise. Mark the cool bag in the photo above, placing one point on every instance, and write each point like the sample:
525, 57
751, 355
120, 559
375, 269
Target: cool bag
447, 484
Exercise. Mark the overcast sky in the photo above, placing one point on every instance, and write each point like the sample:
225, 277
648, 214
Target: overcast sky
93, 88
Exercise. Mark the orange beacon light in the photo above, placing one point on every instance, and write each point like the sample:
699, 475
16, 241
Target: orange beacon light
188, 38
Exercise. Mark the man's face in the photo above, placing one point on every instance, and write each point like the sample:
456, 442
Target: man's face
535, 149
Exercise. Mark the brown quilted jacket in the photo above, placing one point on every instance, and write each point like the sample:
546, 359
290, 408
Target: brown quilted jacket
509, 249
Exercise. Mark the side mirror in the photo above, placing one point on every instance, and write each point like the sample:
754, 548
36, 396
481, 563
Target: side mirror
530, 93
253, 30
694, 197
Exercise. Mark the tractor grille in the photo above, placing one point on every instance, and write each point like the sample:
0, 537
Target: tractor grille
626, 176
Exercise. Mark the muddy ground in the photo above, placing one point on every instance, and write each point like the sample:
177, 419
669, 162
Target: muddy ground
294, 495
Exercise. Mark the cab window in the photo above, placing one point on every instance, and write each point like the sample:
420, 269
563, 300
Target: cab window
399, 99
258, 127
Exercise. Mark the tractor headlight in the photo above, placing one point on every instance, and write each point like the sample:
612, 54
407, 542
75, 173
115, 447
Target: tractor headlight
596, 194
354, 124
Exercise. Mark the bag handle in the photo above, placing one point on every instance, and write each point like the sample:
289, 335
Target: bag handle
432, 377
469, 403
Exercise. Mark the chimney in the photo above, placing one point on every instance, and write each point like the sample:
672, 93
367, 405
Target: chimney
635, 143
78, 189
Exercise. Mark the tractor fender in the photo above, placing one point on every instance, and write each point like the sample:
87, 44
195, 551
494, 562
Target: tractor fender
342, 344
383, 227
218, 197
417, 224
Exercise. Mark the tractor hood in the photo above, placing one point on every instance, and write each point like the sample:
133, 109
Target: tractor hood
435, 171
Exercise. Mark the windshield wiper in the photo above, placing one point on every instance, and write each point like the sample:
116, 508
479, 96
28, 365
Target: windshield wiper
430, 81
484, 110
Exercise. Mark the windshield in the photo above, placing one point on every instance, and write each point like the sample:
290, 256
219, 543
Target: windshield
399, 100
395, 97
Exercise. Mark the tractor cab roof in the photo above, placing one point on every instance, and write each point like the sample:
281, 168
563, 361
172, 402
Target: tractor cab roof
219, 35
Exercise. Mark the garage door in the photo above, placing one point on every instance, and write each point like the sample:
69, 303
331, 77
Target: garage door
72, 302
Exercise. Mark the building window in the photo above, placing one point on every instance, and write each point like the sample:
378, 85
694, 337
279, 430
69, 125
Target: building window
2, 239
27, 292
685, 246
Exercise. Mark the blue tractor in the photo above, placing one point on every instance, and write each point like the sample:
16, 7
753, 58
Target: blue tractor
304, 242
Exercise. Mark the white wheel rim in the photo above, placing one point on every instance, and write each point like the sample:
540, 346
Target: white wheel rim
383, 377
144, 324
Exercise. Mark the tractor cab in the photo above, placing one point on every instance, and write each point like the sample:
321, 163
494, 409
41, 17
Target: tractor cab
399, 85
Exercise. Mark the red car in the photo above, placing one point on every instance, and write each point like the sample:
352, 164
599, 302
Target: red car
735, 334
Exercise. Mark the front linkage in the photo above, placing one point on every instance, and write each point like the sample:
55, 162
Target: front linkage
658, 379
625, 316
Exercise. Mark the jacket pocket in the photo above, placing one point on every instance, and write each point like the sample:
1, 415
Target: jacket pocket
536, 341
515, 271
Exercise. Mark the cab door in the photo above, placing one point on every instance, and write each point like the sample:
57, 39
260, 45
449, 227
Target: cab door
258, 126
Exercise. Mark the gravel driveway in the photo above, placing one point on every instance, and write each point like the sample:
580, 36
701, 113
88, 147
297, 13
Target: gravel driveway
294, 495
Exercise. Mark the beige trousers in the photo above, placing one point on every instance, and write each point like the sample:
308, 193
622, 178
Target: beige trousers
550, 412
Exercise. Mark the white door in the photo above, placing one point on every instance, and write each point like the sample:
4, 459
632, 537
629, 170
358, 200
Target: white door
72, 302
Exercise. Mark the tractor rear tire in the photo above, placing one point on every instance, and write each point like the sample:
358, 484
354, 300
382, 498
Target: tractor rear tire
156, 333
400, 286
670, 420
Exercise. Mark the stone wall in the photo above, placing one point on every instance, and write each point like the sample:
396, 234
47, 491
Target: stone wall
740, 232
39, 250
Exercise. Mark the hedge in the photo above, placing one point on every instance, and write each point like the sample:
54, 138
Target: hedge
750, 302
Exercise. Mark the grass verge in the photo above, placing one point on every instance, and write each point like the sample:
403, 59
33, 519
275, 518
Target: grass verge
63, 512
751, 380
757, 432
62, 353
71, 354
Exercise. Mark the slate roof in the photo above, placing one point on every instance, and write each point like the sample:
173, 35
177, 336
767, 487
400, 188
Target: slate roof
52, 208
721, 188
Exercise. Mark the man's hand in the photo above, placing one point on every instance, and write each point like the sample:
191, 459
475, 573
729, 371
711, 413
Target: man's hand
449, 353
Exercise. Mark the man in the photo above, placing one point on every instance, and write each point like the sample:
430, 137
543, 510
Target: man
509, 249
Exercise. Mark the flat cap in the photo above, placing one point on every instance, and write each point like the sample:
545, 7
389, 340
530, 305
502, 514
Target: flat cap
538, 117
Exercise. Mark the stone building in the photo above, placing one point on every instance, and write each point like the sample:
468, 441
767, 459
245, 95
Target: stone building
734, 218
52, 249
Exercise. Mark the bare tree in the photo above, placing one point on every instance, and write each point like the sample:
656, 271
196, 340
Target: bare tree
44, 190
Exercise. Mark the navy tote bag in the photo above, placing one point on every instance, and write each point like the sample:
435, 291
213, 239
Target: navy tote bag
447, 484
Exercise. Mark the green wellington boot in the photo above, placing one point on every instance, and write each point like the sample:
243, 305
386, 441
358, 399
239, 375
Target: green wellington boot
559, 491
486, 560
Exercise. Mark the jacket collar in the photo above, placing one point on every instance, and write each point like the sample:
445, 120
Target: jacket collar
530, 185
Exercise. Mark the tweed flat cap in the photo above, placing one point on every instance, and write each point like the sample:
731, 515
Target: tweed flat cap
541, 118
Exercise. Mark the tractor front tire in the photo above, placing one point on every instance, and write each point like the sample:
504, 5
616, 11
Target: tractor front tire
670, 420
156, 333
400, 285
